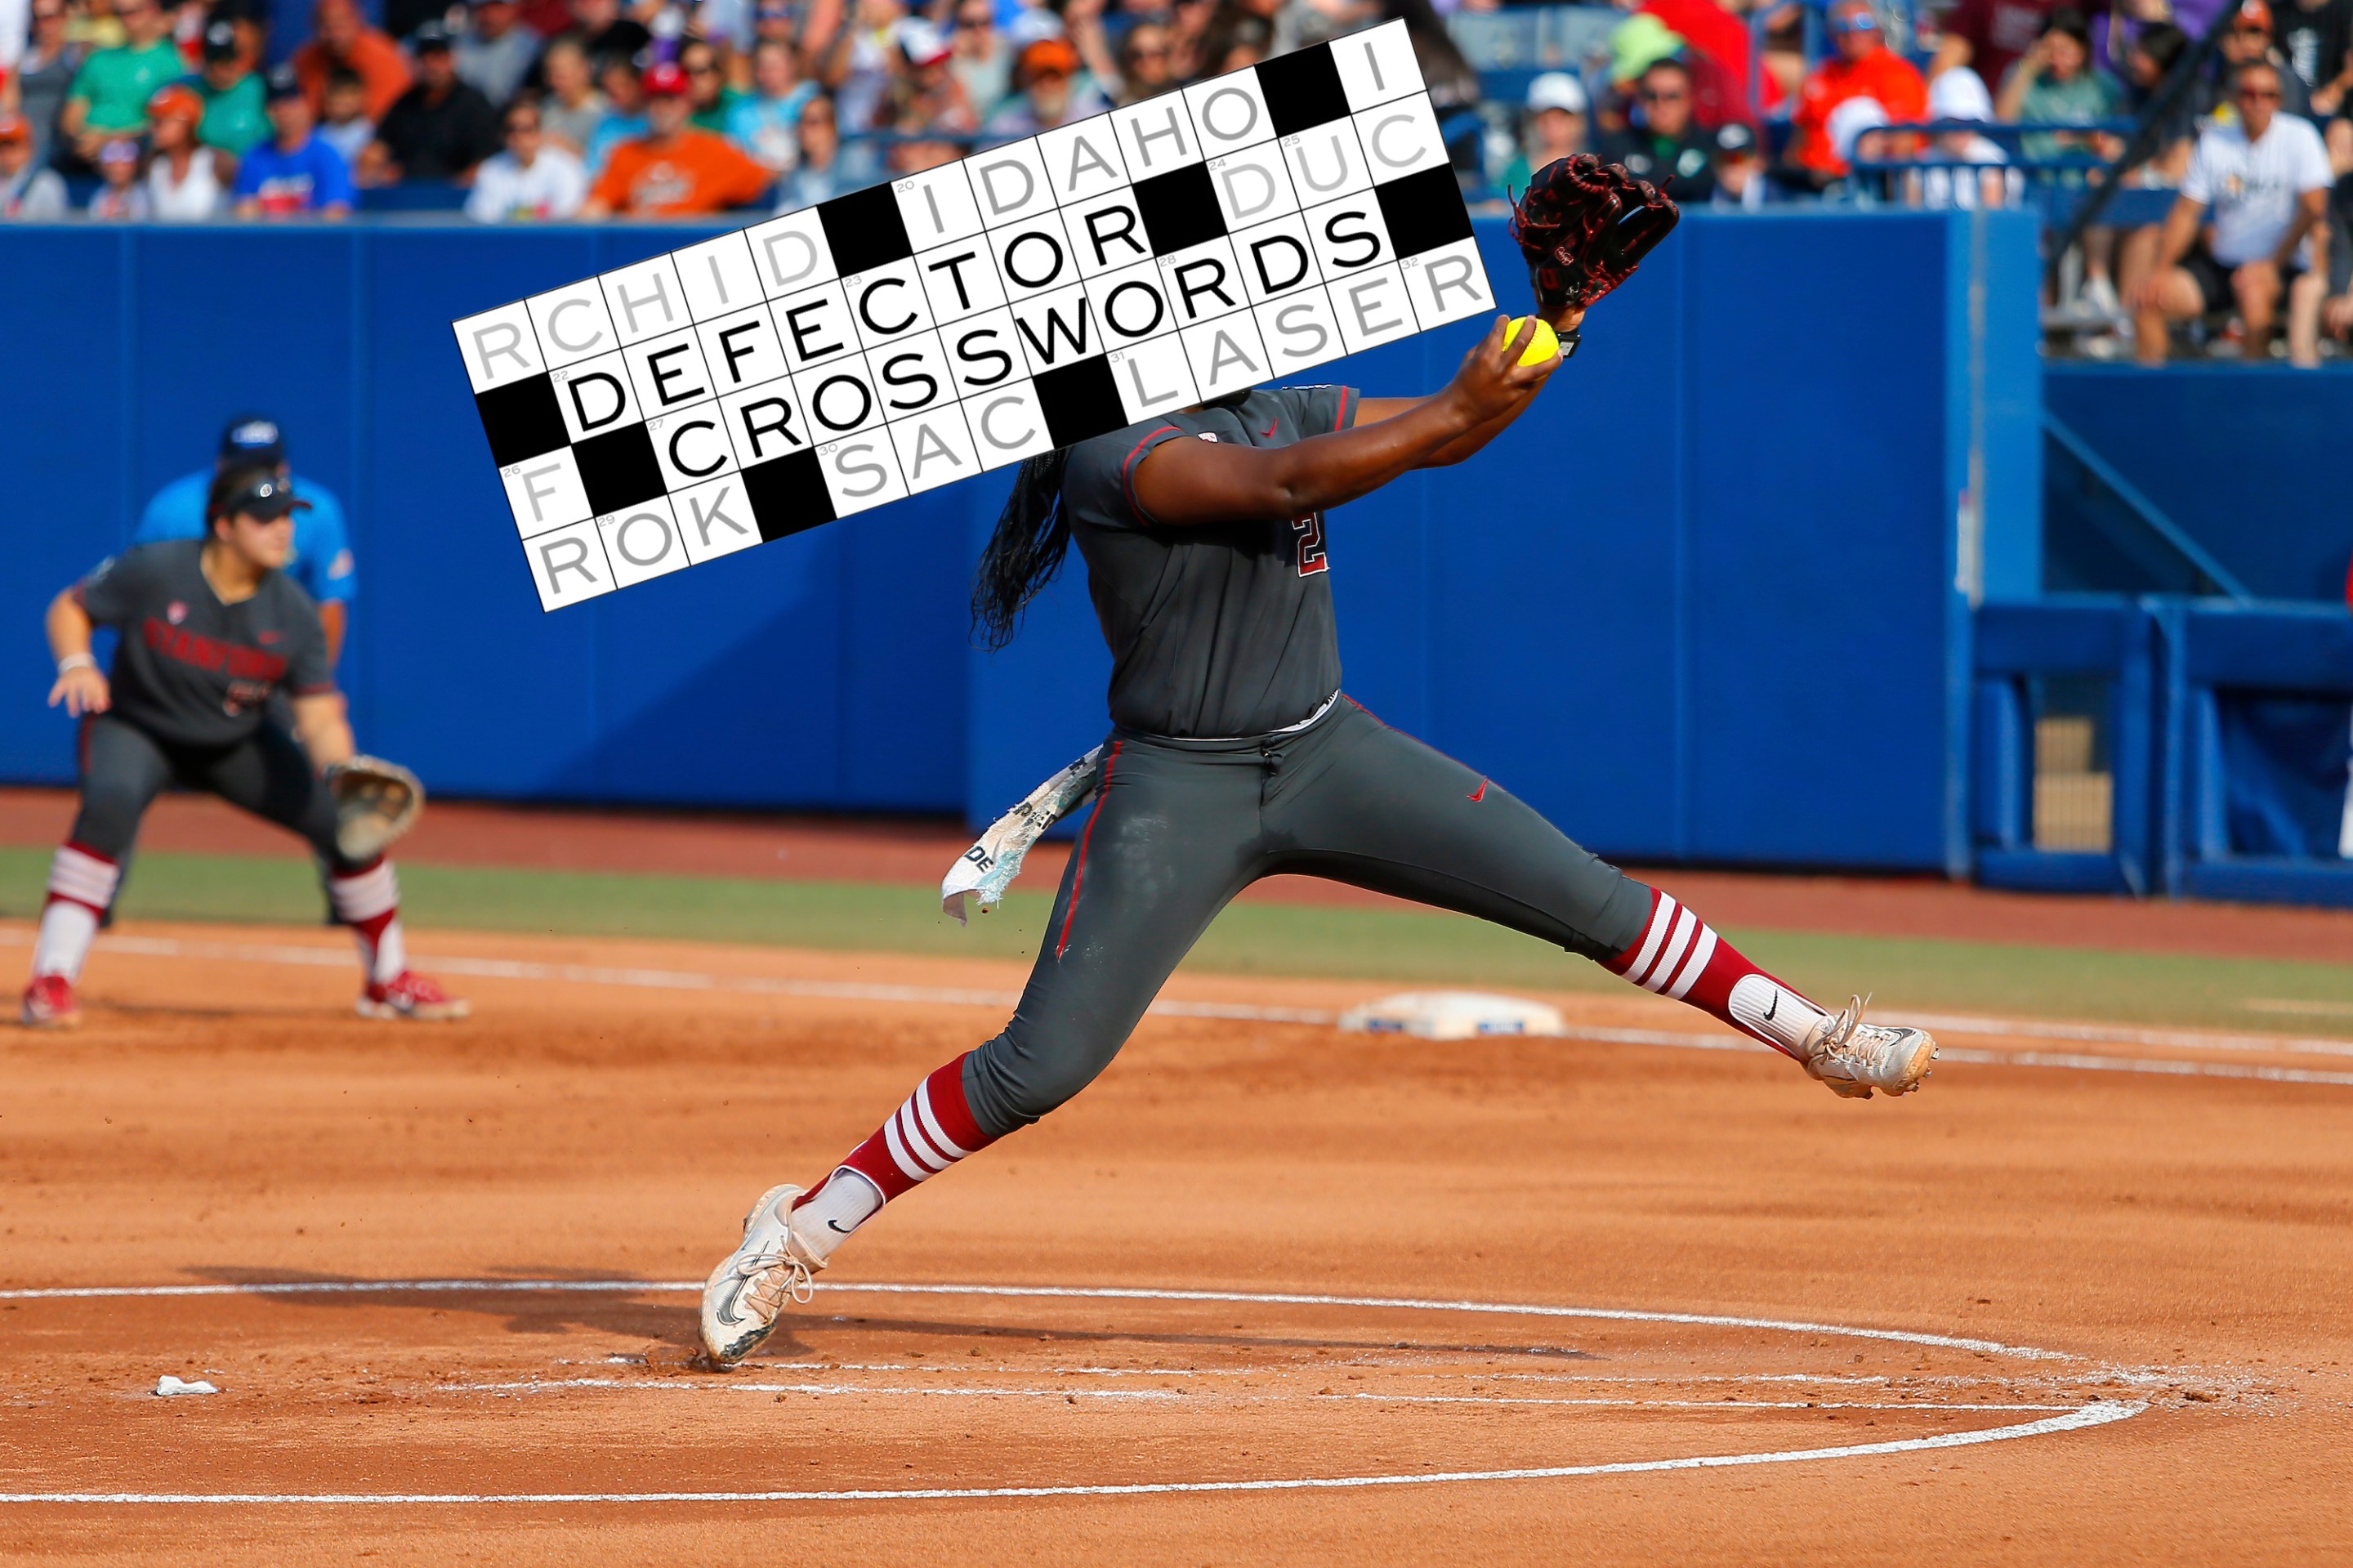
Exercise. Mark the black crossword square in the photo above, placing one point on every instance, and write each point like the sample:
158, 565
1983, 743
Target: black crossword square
618, 468
864, 230
1424, 211
522, 419
1179, 208
788, 495
1081, 401
1303, 89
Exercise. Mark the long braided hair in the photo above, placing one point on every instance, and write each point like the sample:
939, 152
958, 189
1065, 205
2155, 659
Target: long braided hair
1026, 550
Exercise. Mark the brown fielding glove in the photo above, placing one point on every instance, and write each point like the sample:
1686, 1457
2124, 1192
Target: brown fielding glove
1584, 226
375, 802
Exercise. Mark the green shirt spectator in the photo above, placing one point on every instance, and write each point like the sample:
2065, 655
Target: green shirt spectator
236, 117
2056, 83
236, 120
115, 85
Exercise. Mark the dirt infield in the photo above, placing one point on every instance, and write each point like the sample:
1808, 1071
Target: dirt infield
918, 852
1628, 1297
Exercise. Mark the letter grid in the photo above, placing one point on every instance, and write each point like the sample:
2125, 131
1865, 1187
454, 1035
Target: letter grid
1031, 296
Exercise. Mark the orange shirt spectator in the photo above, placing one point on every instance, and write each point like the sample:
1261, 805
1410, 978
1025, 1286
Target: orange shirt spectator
1720, 76
674, 170
1864, 66
344, 38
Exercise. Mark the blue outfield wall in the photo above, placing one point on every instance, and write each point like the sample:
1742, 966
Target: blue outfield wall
2244, 459
1708, 601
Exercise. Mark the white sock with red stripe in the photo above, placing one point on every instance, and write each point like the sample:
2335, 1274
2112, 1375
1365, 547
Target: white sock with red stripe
930, 1132
1680, 955
82, 885
369, 903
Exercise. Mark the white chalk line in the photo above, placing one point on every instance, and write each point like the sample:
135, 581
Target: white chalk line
859, 1391
945, 995
2096, 1414
1042, 1292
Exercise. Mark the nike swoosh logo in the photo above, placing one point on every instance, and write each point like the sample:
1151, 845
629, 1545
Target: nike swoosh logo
1774, 1009
837, 1228
1480, 793
1268, 431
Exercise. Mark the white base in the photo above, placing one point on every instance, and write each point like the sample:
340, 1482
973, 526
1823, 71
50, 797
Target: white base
1452, 1016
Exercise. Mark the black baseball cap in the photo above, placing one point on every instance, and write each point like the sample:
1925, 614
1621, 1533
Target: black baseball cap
283, 84
257, 493
430, 38
220, 42
253, 438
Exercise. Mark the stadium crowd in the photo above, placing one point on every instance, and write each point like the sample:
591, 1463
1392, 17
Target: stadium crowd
594, 109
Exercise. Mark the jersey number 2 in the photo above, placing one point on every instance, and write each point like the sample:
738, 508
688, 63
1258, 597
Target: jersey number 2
1309, 530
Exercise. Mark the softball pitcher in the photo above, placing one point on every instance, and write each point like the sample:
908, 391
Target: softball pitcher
1233, 753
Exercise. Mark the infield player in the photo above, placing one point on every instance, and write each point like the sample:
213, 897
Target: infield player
211, 630
1233, 753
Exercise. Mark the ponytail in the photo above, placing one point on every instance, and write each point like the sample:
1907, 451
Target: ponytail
1032, 536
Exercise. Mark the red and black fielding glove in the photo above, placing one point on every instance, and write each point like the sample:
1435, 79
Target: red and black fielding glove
1584, 226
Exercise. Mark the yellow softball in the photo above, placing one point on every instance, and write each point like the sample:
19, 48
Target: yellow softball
1541, 347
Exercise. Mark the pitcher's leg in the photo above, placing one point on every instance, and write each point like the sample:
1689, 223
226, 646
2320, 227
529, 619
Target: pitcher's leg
1384, 810
1172, 839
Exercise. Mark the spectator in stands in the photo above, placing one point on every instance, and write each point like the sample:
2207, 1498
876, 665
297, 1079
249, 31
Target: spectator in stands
765, 122
439, 128
624, 112
605, 33
93, 25
496, 50
1047, 97
1857, 129
1863, 67
348, 129
983, 61
532, 179
2263, 177
2248, 41
2056, 83
707, 97
674, 170
46, 74
342, 37
183, 184
1717, 49
573, 108
28, 191
2147, 64
925, 96
2316, 37
294, 174
1147, 65
109, 94
818, 174
1668, 147
236, 119
119, 198
1959, 97
1739, 169
1990, 36
1554, 128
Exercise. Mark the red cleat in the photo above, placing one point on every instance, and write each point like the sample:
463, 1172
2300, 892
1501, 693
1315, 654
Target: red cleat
411, 996
49, 1004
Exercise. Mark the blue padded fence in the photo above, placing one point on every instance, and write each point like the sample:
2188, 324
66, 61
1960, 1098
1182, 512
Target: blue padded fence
1663, 607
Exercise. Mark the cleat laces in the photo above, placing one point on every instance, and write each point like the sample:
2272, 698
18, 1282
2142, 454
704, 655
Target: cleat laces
776, 1276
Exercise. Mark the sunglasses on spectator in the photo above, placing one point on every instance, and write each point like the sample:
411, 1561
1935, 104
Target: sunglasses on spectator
2260, 94
1671, 95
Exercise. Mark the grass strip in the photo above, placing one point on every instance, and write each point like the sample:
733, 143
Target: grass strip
1403, 947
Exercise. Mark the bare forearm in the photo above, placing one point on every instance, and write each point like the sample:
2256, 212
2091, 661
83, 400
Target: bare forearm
69, 627
2180, 228
325, 733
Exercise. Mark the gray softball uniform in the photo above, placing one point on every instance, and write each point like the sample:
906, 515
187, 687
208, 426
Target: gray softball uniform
1233, 757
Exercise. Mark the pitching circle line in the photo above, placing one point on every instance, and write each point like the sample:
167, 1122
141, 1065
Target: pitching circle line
2098, 1413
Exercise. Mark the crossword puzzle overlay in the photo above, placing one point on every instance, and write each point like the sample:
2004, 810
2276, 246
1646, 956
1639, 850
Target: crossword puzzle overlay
891, 340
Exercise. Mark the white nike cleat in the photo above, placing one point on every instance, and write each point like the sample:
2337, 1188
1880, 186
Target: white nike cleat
1854, 1057
747, 1293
